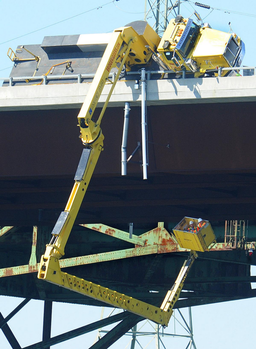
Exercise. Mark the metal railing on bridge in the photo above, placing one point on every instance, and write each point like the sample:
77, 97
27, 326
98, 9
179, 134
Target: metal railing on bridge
80, 78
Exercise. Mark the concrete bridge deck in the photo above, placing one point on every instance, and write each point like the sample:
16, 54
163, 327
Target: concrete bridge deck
159, 92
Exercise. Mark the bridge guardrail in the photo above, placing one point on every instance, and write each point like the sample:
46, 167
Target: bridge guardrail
79, 78
249, 70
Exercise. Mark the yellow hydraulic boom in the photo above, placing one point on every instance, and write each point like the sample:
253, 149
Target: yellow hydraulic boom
126, 47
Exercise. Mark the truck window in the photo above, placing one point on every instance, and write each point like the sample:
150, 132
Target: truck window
231, 52
188, 38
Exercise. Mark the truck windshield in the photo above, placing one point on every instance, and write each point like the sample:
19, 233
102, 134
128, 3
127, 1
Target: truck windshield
188, 38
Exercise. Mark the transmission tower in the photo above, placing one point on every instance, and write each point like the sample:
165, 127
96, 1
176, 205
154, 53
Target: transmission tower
158, 11
148, 335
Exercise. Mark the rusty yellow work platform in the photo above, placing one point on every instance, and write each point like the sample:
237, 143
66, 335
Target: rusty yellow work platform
197, 239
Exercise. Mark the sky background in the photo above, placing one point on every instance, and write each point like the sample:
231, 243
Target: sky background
226, 325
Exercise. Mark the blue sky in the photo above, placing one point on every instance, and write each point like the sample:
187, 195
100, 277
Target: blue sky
227, 325
27, 22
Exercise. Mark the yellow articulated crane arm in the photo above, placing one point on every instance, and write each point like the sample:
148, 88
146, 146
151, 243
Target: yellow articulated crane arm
130, 48
51, 272
125, 47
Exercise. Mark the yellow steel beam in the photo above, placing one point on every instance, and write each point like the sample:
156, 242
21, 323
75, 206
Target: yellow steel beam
159, 236
115, 233
5, 230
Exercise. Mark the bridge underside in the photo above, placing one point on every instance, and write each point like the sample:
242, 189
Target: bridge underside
201, 163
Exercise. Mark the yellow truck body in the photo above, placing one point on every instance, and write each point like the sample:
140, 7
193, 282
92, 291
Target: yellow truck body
186, 46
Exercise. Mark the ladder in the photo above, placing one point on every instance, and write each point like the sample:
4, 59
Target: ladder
236, 233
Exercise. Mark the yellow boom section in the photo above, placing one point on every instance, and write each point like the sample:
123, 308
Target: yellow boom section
51, 272
125, 47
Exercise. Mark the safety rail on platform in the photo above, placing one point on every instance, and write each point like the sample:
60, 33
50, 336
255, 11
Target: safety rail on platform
79, 78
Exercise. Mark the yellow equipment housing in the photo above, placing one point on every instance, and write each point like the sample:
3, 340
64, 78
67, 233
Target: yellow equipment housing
196, 241
186, 46
146, 41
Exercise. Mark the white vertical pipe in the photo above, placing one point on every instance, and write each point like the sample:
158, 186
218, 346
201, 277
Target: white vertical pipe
124, 140
144, 123
130, 230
